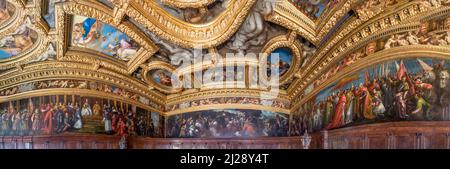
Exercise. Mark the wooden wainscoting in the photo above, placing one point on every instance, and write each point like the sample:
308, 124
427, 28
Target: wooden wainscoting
392, 135
188, 143
60, 142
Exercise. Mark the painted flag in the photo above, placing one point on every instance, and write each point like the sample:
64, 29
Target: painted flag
401, 70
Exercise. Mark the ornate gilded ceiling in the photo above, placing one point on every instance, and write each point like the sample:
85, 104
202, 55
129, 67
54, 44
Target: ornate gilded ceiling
138, 46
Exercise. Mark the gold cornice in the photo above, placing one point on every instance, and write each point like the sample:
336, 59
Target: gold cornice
81, 92
55, 69
205, 94
288, 16
184, 34
227, 106
76, 54
187, 3
412, 51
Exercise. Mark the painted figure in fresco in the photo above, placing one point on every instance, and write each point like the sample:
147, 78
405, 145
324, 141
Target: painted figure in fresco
366, 103
36, 120
349, 106
48, 119
26, 122
121, 127
86, 32
59, 118
86, 109
141, 126
401, 97
114, 119
78, 117
17, 42
107, 119
97, 109
165, 79
16, 121
339, 118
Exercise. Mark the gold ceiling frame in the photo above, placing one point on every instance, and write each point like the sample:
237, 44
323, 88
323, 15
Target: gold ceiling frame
188, 35
162, 66
187, 3
402, 52
227, 106
350, 37
78, 92
287, 15
282, 41
96, 10
67, 70
25, 15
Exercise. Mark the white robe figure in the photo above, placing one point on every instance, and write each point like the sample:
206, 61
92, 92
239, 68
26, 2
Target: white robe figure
86, 110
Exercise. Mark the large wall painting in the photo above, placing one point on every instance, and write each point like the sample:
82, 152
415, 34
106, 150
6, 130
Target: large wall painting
398, 90
93, 34
64, 114
227, 124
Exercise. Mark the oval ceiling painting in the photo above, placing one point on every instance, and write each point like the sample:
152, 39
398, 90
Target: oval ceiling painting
17, 42
6, 11
163, 78
92, 34
280, 64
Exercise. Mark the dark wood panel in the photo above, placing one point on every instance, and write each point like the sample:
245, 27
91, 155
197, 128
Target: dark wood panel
395, 135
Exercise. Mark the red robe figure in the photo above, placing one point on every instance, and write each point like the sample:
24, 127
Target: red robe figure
122, 128
338, 119
48, 120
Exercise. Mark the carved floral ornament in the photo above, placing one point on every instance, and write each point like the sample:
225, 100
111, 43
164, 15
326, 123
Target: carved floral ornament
52, 46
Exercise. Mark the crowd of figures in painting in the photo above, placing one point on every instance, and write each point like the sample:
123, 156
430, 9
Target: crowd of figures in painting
227, 124
398, 90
